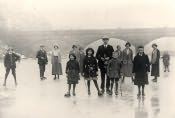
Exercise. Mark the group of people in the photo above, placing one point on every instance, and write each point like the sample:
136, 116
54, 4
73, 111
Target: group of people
113, 65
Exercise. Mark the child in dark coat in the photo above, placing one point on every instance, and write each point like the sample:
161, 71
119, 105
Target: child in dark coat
113, 72
90, 69
72, 71
141, 67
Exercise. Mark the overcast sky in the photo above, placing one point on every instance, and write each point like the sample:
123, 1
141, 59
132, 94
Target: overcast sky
86, 14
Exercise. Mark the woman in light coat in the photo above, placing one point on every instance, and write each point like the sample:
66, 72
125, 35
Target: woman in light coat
56, 62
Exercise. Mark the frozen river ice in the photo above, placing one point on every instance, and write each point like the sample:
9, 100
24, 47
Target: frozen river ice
33, 98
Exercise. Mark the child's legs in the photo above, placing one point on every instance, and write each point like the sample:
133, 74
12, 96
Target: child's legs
88, 84
143, 86
74, 85
112, 83
139, 86
69, 88
96, 85
116, 84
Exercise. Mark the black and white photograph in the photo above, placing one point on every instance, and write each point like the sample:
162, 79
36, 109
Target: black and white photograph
87, 59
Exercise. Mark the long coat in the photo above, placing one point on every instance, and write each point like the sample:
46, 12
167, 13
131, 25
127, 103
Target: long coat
127, 63
141, 66
104, 52
113, 68
10, 60
42, 57
155, 66
56, 64
90, 67
72, 71
82, 56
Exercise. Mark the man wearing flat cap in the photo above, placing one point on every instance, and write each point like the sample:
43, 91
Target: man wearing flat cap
42, 61
103, 55
155, 57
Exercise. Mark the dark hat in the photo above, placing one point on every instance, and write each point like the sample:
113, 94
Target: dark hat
128, 43
56, 46
140, 46
74, 46
87, 50
154, 44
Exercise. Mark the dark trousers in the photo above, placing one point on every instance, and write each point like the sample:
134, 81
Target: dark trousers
13, 72
42, 70
104, 78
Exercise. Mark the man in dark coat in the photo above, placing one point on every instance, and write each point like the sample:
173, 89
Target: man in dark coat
141, 67
103, 55
10, 64
155, 57
42, 61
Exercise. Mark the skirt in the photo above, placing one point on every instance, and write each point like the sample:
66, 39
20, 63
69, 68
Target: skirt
141, 79
56, 67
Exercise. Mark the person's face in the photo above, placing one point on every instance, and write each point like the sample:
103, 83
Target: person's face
115, 55
89, 52
105, 41
74, 48
72, 57
141, 50
10, 51
118, 48
127, 46
154, 47
42, 48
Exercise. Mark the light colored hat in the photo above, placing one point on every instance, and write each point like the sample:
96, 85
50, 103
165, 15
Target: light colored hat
105, 38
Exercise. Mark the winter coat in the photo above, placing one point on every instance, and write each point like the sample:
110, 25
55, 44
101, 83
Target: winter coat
10, 60
141, 66
127, 63
72, 71
42, 57
155, 66
113, 68
104, 52
90, 67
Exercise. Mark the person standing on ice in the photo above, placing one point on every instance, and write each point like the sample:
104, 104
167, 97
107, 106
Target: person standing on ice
72, 71
103, 55
75, 51
127, 59
90, 69
56, 62
42, 61
141, 67
155, 57
166, 61
82, 56
113, 71
10, 60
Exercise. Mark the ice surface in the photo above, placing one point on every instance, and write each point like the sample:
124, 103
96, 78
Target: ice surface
33, 98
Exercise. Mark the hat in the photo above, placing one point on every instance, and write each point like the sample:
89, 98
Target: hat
128, 43
105, 38
154, 44
74, 46
56, 46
